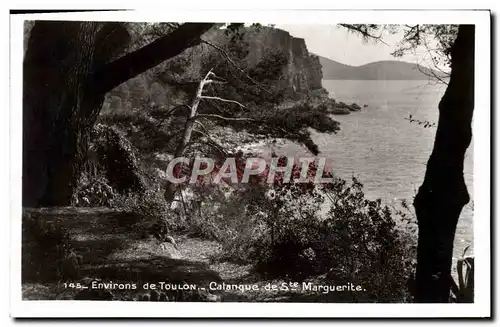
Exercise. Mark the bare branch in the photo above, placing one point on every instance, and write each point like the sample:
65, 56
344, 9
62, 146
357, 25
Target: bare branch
201, 125
171, 111
434, 61
364, 32
206, 77
219, 78
222, 99
202, 133
211, 81
222, 117
430, 73
225, 55
212, 143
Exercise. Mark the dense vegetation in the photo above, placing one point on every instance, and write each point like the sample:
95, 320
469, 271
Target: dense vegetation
283, 230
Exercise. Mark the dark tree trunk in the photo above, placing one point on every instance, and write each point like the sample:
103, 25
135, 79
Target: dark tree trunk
443, 193
59, 109
66, 75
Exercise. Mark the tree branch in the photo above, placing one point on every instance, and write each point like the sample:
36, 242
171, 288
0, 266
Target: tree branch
171, 111
201, 125
222, 117
430, 73
210, 81
222, 99
364, 32
149, 56
212, 143
225, 55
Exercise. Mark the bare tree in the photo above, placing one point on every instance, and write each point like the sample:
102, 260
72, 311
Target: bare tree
193, 117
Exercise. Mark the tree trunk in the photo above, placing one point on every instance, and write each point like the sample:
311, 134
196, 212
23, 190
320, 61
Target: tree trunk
66, 74
443, 193
59, 109
169, 194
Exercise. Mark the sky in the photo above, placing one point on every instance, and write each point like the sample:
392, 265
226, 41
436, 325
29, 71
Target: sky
336, 43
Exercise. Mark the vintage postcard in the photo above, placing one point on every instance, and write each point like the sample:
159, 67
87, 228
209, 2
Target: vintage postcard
250, 164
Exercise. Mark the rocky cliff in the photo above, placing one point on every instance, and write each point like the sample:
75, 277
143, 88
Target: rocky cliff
301, 76
303, 71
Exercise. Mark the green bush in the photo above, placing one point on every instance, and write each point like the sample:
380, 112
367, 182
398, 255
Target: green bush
293, 233
150, 205
227, 215
357, 241
93, 191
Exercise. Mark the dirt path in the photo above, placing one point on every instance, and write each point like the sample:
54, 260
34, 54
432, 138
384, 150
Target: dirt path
111, 251
239, 282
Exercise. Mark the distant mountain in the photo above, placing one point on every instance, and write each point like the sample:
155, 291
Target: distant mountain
380, 70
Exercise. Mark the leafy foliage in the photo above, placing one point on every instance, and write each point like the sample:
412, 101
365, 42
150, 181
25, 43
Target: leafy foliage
432, 42
302, 230
464, 291
436, 40
260, 87
93, 191
150, 205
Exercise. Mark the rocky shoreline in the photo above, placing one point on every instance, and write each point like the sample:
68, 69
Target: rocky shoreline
337, 108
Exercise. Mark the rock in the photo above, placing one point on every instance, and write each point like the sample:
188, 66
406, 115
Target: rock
354, 107
329, 105
320, 93
169, 250
115, 103
303, 71
339, 111
350, 107
158, 93
342, 105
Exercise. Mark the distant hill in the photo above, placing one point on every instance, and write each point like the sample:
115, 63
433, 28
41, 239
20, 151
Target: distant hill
380, 70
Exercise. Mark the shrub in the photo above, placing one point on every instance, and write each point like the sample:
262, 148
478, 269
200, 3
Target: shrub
368, 244
292, 251
93, 191
223, 214
357, 241
150, 205
292, 232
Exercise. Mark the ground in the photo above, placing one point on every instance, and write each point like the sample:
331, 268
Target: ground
111, 247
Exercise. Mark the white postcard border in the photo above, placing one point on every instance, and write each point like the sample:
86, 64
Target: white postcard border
481, 132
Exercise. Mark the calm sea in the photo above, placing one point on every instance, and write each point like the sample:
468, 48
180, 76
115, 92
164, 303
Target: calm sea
387, 152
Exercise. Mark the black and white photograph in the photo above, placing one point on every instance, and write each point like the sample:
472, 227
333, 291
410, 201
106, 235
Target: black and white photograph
318, 162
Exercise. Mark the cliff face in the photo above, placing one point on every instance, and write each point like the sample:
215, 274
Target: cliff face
301, 76
303, 72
